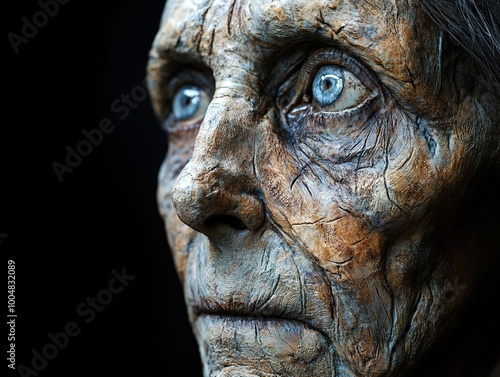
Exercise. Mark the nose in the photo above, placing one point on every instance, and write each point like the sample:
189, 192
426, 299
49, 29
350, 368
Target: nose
217, 191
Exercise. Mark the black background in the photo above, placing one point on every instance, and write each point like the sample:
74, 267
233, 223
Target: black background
66, 237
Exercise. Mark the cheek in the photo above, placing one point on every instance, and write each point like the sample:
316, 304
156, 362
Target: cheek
347, 212
178, 234
319, 212
335, 190
347, 209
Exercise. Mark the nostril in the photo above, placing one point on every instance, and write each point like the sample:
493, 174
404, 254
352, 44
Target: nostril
218, 220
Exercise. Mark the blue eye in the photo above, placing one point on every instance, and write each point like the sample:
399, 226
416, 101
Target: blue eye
336, 89
189, 102
328, 84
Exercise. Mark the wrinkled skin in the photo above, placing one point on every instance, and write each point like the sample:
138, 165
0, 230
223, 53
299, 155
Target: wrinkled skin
312, 239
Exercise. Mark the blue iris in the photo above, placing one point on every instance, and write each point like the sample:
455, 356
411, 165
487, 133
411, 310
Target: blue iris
186, 102
328, 84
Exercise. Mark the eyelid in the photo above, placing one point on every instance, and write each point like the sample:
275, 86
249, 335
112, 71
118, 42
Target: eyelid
172, 127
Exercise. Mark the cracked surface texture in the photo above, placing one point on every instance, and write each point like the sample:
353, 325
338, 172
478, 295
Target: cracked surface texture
325, 232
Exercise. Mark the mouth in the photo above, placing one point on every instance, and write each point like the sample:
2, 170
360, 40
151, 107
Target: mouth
241, 316
246, 312
273, 345
260, 306
240, 320
244, 321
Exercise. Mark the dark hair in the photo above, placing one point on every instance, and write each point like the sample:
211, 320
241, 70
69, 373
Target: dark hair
474, 25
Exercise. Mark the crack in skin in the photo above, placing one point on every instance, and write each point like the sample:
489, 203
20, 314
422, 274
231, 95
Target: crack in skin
322, 221
203, 17
230, 18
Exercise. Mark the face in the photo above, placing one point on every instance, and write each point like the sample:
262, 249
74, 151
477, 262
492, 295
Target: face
320, 155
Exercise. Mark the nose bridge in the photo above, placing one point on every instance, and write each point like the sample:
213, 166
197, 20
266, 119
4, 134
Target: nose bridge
225, 141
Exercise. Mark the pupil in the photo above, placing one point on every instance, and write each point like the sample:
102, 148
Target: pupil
327, 84
186, 101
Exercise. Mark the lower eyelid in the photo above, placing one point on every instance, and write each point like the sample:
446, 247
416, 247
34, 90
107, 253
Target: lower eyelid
173, 127
349, 117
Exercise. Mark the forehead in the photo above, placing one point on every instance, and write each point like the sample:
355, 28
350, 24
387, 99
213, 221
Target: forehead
383, 33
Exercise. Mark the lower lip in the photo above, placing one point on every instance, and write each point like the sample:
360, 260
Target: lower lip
262, 342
